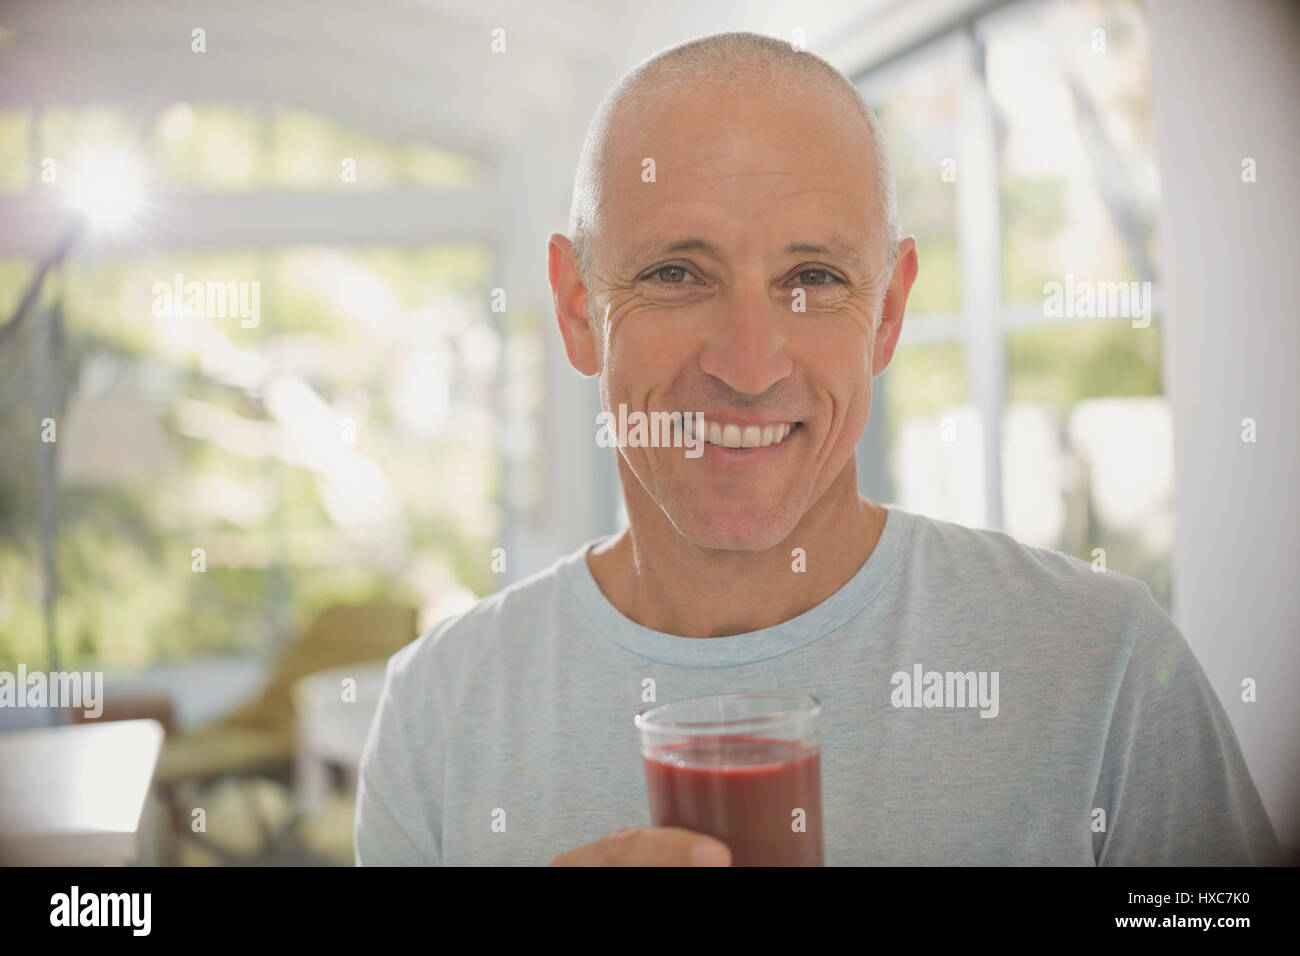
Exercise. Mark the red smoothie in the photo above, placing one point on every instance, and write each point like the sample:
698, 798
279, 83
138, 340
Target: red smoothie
741, 790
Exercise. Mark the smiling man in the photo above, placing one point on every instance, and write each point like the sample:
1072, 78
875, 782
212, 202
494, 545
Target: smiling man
736, 255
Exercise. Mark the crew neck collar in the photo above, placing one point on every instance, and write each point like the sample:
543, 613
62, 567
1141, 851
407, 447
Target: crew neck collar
851, 599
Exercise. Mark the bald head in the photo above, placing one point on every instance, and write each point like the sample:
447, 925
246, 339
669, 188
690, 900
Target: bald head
743, 63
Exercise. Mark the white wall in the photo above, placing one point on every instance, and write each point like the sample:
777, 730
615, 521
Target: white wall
1225, 81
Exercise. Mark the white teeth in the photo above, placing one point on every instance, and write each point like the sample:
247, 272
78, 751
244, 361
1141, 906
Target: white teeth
736, 436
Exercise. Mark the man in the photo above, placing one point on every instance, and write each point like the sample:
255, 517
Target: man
736, 253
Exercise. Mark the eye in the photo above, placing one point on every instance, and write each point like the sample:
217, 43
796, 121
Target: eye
672, 275
822, 277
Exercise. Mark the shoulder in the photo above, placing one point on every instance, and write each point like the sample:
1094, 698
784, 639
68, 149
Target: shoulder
511, 624
980, 552
1027, 582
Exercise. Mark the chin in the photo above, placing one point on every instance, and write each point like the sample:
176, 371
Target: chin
750, 529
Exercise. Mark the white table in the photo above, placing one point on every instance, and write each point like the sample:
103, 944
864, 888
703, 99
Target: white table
331, 731
76, 795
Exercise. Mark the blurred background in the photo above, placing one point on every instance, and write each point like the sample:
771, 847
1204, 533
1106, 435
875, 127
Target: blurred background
232, 515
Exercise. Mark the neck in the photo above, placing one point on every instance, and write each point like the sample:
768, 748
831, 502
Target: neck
660, 580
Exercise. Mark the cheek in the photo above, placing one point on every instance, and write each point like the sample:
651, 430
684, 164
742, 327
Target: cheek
839, 358
839, 367
644, 347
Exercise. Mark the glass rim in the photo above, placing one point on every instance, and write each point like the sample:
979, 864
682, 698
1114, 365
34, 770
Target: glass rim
810, 707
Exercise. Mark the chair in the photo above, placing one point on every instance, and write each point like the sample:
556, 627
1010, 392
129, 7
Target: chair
256, 741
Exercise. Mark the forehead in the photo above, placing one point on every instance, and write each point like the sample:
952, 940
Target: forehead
750, 168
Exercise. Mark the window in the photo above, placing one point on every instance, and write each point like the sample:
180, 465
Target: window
1042, 105
340, 443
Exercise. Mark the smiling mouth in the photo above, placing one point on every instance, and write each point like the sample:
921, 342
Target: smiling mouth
730, 435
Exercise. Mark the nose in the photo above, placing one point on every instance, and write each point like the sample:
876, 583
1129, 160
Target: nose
746, 347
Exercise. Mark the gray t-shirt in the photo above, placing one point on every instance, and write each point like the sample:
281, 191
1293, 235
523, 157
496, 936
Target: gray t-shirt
504, 735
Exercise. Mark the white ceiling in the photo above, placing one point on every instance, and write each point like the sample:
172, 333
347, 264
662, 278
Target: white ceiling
410, 69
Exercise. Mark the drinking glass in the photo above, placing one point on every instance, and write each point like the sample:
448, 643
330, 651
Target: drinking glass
744, 768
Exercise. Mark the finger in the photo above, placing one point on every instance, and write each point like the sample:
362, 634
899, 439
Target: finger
667, 846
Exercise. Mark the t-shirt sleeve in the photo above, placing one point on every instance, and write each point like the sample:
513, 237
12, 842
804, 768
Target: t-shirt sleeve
395, 824
1174, 786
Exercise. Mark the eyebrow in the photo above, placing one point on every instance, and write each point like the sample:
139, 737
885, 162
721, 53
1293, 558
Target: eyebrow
835, 247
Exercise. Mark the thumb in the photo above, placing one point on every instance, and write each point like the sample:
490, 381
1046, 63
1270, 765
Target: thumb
706, 851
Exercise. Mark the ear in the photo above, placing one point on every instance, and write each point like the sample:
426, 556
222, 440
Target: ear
891, 310
571, 306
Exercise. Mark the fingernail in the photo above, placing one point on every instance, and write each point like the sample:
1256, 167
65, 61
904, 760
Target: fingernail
709, 854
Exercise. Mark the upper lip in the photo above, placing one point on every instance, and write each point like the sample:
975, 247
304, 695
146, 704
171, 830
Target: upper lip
742, 420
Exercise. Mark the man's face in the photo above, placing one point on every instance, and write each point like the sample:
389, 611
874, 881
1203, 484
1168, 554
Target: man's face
693, 291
